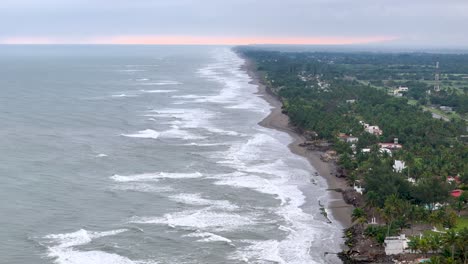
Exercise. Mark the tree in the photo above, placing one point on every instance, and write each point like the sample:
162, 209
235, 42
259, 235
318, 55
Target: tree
450, 238
413, 244
424, 246
359, 215
431, 190
435, 242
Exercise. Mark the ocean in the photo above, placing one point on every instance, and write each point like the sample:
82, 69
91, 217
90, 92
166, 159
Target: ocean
149, 154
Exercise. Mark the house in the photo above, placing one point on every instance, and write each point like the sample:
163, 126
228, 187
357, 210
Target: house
395, 245
456, 193
392, 146
398, 91
352, 101
453, 179
373, 130
347, 139
399, 166
446, 108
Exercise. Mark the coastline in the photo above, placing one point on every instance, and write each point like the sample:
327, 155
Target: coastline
340, 210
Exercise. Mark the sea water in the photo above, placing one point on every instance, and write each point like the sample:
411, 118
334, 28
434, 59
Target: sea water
141, 154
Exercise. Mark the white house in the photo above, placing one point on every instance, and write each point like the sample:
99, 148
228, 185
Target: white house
397, 91
398, 166
395, 244
373, 130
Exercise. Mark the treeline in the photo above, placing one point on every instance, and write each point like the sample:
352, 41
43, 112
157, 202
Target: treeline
321, 95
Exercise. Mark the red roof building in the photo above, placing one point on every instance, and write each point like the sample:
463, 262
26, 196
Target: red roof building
456, 193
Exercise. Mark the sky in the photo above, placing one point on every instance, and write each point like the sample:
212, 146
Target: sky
392, 22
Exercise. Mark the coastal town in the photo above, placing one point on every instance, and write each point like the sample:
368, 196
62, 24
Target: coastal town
399, 147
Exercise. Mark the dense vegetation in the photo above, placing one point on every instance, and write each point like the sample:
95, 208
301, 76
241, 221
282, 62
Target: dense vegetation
324, 93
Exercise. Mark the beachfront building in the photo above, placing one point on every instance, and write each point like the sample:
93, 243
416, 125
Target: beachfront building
395, 245
347, 138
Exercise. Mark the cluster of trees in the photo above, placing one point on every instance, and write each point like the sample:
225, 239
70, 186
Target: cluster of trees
448, 247
320, 94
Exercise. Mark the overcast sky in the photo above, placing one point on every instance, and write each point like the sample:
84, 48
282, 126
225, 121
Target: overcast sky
420, 22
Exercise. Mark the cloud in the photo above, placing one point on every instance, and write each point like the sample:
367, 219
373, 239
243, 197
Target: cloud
415, 21
197, 40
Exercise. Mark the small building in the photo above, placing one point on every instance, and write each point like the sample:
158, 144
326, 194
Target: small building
348, 139
373, 130
365, 150
398, 91
453, 179
399, 166
456, 193
351, 101
446, 108
395, 245
391, 146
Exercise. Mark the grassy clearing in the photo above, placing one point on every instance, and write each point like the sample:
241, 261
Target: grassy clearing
462, 222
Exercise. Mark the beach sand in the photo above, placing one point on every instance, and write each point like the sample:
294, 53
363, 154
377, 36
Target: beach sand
279, 121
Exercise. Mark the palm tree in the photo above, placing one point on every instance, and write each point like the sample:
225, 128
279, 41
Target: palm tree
462, 244
391, 210
413, 244
359, 215
372, 202
450, 238
424, 246
435, 242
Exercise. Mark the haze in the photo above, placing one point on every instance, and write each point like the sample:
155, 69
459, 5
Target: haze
398, 22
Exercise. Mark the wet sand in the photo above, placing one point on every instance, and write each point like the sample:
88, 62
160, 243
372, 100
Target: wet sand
279, 121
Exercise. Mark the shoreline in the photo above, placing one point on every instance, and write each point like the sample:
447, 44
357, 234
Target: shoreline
340, 210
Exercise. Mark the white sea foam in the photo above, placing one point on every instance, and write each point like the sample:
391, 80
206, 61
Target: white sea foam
123, 95
209, 237
236, 90
197, 199
101, 155
204, 219
147, 133
132, 70
176, 132
168, 82
63, 252
205, 144
257, 183
190, 118
158, 91
151, 177
188, 96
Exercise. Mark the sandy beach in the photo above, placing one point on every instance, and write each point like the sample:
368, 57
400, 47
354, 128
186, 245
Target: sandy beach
279, 121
